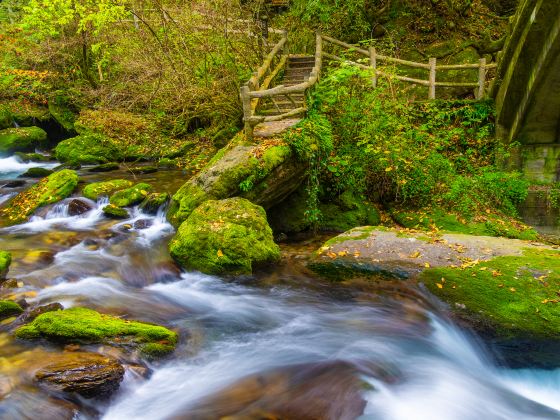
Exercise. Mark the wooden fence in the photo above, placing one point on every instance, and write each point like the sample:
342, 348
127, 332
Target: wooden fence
258, 87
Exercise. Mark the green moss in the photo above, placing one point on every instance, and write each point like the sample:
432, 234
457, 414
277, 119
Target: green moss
355, 234
61, 110
226, 236
5, 261
49, 190
515, 294
490, 225
97, 189
31, 157
115, 212
36, 173
22, 139
346, 212
9, 308
130, 196
88, 148
86, 325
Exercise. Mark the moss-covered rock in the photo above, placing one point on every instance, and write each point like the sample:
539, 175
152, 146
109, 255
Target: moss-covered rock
97, 189
9, 309
153, 202
77, 325
115, 212
62, 111
263, 174
31, 157
49, 190
36, 173
21, 139
5, 261
130, 196
346, 212
105, 167
512, 300
88, 148
227, 236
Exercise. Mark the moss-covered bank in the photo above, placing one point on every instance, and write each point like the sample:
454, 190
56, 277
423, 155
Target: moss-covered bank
228, 236
88, 326
21, 139
49, 190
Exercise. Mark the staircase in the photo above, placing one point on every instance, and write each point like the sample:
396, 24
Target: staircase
298, 69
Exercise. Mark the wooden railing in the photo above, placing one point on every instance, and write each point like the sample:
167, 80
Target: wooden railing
253, 91
431, 66
258, 87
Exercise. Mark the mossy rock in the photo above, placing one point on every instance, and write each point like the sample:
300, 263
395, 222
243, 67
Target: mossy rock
264, 175
9, 309
5, 261
513, 296
88, 148
141, 170
49, 190
489, 225
82, 325
115, 212
62, 111
36, 173
22, 139
225, 237
97, 189
348, 211
130, 196
31, 157
153, 202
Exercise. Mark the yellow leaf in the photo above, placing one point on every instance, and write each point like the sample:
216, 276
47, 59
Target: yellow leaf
414, 255
220, 253
342, 253
388, 169
427, 265
512, 289
439, 285
143, 192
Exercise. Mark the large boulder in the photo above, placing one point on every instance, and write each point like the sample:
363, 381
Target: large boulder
87, 149
225, 237
21, 139
87, 374
82, 325
263, 174
5, 261
49, 190
97, 189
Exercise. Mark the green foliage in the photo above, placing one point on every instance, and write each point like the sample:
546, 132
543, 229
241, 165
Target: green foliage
437, 153
86, 325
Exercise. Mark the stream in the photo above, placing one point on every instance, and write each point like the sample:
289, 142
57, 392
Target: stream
279, 344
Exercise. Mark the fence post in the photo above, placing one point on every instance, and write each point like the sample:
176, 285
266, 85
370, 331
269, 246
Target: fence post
432, 89
481, 78
373, 64
247, 112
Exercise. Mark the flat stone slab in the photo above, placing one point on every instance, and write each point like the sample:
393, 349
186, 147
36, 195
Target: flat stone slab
402, 253
271, 129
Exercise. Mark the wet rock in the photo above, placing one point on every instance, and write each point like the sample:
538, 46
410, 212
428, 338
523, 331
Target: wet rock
115, 212
21, 139
77, 325
130, 196
5, 262
77, 207
9, 284
153, 202
329, 390
9, 308
36, 173
23, 303
139, 170
49, 190
126, 227
31, 314
143, 224
31, 157
87, 374
15, 184
97, 189
38, 257
70, 165
105, 167
165, 272
225, 237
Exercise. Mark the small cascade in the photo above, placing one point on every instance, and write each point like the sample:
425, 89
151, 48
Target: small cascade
11, 167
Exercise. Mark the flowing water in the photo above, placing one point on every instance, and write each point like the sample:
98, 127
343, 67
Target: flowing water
280, 344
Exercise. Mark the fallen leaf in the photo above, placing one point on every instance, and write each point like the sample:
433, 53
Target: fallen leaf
439, 285
220, 253
414, 255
